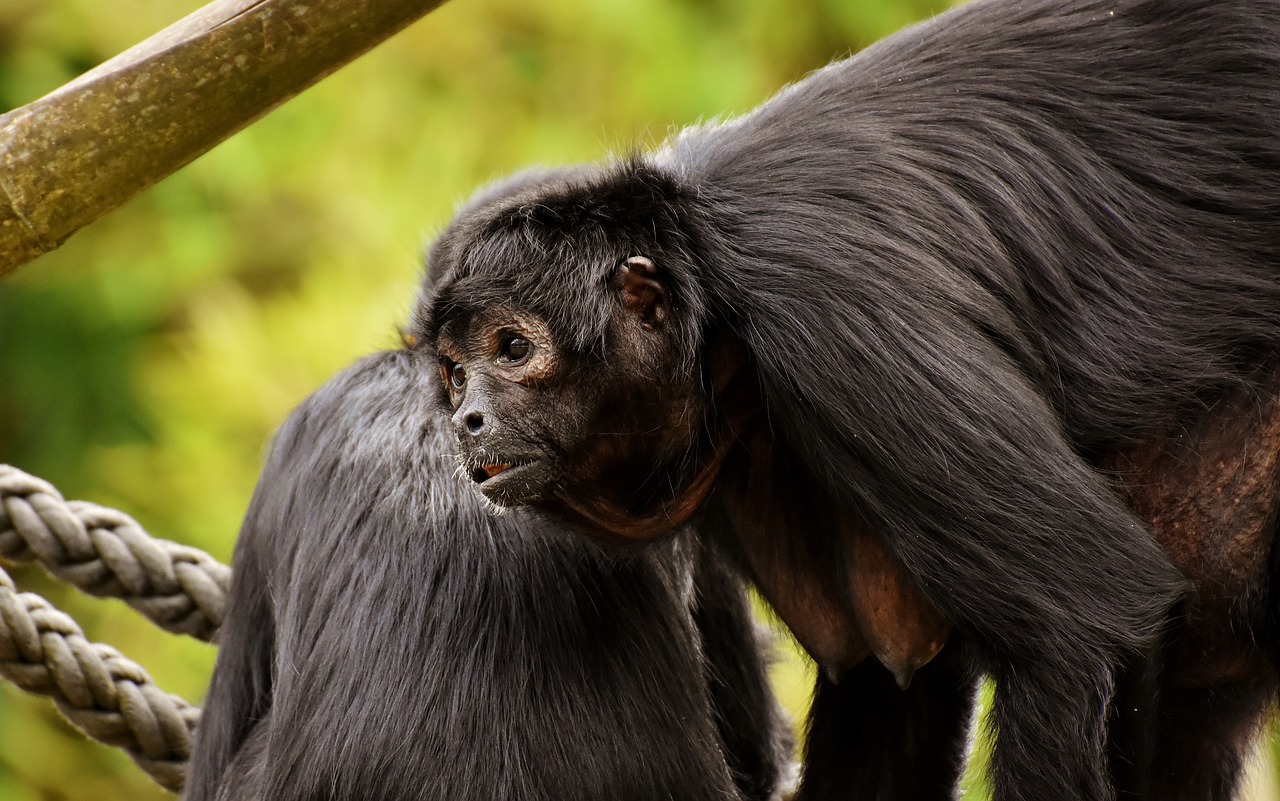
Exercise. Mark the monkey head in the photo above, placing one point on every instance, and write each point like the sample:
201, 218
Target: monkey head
596, 437
569, 360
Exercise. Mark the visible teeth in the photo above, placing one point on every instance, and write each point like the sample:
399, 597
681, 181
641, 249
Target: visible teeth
492, 470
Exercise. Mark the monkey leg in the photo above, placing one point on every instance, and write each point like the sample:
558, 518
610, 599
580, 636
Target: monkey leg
1132, 728
1197, 751
1205, 735
1050, 727
1211, 496
753, 729
870, 740
1182, 731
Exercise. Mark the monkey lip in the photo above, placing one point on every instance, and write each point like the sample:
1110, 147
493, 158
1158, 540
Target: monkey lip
513, 481
485, 472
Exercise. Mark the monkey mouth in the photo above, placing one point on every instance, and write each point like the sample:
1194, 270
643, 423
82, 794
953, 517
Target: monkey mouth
486, 472
511, 480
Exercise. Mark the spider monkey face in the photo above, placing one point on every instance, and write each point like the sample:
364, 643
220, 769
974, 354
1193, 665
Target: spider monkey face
505, 379
540, 424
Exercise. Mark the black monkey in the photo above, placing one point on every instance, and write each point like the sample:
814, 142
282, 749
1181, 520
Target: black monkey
387, 639
967, 347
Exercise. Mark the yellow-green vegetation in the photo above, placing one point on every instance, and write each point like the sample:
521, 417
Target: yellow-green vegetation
145, 364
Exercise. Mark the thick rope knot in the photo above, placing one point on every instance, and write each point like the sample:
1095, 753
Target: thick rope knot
106, 553
102, 693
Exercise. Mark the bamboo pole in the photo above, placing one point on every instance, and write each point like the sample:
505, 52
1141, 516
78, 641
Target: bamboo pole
87, 147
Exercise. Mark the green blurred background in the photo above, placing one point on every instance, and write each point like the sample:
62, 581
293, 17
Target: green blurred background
145, 364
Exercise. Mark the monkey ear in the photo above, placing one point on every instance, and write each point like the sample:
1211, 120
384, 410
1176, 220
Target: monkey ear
641, 292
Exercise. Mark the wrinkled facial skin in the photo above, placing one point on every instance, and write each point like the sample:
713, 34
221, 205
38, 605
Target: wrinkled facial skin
504, 378
538, 424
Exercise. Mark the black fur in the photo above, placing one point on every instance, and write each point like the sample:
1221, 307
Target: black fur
387, 639
970, 265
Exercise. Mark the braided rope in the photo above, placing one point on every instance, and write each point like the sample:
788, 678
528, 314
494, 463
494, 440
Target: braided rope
106, 696
106, 553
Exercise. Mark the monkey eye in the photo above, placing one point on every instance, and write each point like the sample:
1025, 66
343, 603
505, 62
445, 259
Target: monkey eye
458, 376
514, 350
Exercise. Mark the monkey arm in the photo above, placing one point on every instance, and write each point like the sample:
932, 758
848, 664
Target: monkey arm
239, 694
962, 470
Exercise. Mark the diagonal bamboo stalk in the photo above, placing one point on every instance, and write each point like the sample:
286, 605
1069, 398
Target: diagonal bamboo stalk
87, 147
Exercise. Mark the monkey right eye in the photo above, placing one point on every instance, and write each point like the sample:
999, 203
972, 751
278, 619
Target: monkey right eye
458, 376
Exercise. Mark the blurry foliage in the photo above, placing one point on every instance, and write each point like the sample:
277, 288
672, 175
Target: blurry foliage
145, 364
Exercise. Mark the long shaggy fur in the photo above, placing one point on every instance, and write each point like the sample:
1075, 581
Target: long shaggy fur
388, 640
970, 265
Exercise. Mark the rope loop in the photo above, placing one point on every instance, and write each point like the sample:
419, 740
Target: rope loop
106, 553
105, 695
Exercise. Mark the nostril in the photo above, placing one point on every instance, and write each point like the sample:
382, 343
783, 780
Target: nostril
474, 423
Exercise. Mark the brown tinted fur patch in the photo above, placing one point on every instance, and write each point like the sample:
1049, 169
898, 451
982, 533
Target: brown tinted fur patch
878, 610
678, 423
765, 514
1210, 495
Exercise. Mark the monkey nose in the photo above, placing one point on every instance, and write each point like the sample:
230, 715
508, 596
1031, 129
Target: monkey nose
469, 422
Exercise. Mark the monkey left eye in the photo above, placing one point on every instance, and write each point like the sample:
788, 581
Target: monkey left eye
514, 350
